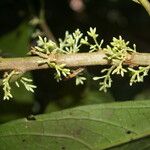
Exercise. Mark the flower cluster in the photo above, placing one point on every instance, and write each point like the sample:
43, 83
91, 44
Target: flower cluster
116, 53
8, 78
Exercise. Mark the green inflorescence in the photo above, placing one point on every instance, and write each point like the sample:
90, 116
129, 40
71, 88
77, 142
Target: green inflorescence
116, 53
137, 75
80, 80
47, 47
105, 80
27, 83
6, 85
60, 71
71, 42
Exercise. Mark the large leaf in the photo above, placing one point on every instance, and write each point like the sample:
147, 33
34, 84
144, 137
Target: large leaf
91, 127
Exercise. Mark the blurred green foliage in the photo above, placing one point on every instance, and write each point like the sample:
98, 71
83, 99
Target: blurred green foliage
16, 42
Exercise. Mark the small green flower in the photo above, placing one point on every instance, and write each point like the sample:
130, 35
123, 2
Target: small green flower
84, 41
46, 46
80, 80
92, 33
119, 70
60, 71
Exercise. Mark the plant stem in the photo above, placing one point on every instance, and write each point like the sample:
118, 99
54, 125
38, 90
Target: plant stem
25, 64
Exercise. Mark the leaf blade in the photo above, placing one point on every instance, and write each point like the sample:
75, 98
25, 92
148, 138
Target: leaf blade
87, 127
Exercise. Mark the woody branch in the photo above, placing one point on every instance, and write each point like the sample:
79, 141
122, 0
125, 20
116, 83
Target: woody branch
29, 63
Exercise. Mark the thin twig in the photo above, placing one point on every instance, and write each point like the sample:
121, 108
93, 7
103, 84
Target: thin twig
145, 4
43, 23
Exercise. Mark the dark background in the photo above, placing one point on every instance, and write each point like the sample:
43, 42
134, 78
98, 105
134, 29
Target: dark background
111, 18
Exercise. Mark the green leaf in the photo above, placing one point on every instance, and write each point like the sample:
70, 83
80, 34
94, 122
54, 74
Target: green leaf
92, 127
141, 144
